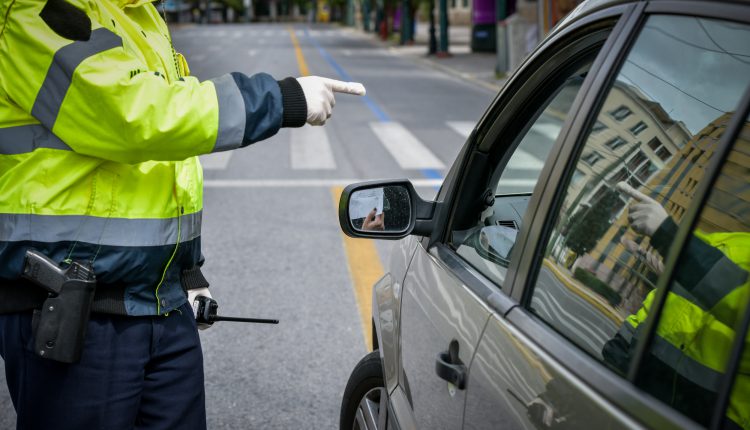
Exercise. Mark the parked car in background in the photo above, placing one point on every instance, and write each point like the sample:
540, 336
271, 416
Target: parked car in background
585, 263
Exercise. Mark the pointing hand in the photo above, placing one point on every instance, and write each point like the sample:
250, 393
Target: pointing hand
646, 215
319, 96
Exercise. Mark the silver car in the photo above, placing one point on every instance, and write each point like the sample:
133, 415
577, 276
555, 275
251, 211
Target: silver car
585, 262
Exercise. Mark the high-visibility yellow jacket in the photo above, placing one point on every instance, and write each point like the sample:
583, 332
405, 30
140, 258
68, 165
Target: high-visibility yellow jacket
100, 128
696, 329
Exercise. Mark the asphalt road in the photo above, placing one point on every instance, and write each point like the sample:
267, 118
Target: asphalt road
271, 238
572, 315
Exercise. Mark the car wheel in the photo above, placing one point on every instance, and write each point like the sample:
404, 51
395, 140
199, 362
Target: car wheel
365, 399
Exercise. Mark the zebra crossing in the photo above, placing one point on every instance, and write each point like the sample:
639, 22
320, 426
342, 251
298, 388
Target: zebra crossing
310, 148
405, 148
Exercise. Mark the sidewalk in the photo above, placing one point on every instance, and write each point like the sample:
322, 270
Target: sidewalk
477, 67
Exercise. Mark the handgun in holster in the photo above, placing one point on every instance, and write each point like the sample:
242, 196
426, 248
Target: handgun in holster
59, 327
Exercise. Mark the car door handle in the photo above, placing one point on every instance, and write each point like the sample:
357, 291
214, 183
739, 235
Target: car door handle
450, 368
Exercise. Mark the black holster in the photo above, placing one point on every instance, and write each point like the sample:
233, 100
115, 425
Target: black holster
59, 327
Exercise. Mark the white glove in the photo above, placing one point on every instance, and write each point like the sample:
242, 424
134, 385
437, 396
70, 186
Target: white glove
192, 294
647, 214
319, 96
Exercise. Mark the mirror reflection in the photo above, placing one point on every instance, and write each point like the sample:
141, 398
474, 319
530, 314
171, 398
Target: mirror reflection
385, 209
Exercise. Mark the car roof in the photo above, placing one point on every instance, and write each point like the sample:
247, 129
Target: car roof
588, 7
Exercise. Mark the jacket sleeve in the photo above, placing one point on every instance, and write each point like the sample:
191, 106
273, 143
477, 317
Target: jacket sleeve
101, 100
714, 281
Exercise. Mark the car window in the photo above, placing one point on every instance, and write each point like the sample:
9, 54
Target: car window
521, 173
640, 165
488, 244
708, 294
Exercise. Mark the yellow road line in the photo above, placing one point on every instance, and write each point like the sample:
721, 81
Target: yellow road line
365, 269
303, 71
605, 309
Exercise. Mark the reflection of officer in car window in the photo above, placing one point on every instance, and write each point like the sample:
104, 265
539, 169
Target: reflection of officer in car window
695, 332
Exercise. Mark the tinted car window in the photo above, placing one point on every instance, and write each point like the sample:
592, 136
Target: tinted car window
707, 296
487, 246
652, 139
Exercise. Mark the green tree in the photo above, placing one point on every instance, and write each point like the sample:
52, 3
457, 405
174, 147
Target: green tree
588, 225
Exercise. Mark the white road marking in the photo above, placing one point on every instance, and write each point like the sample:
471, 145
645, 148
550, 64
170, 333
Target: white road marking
525, 183
220, 33
347, 52
252, 52
408, 151
303, 183
216, 160
197, 57
237, 34
463, 128
310, 149
550, 131
522, 160
214, 48
268, 33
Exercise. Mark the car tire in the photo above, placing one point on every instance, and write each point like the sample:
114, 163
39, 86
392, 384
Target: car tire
364, 406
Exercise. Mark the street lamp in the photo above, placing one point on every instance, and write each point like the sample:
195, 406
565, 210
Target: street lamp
405, 21
501, 37
433, 40
443, 50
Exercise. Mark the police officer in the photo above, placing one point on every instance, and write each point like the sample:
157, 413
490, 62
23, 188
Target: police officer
100, 126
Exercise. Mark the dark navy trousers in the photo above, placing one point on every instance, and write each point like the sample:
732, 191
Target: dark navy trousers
135, 372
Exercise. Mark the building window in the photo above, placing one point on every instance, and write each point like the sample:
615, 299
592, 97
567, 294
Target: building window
465, 3
645, 172
592, 157
663, 154
598, 126
578, 175
654, 144
615, 143
621, 113
621, 175
636, 129
636, 161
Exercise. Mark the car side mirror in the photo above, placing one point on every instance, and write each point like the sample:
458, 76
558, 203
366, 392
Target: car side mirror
384, 210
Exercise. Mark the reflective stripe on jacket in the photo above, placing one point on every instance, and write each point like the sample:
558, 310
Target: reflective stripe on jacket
98, 149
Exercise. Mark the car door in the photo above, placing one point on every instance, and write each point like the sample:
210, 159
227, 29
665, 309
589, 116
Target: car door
456, 278
599, 338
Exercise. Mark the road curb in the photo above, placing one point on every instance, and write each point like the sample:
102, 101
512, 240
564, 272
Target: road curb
565, 280
427, 62
449, 70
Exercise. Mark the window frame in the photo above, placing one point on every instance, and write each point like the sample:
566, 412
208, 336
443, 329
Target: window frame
527, 84
617, 390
